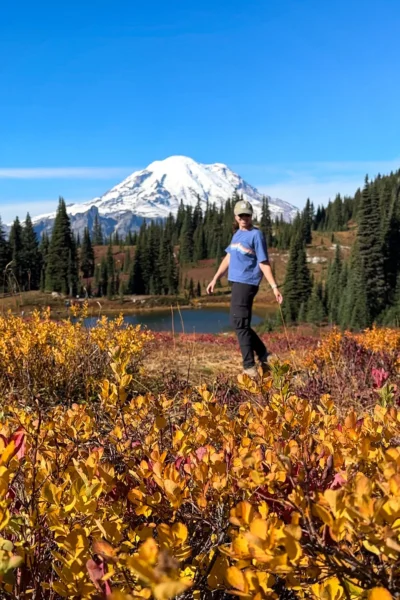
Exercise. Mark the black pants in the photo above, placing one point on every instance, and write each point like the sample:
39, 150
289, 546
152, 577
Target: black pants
240, 316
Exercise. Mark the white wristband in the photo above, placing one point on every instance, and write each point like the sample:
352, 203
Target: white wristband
274, 287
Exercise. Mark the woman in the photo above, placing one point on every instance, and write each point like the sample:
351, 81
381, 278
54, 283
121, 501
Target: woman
247, 261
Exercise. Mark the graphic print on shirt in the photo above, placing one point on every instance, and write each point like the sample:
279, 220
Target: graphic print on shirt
240, 248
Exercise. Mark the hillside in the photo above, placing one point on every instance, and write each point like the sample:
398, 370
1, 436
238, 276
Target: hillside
320, 252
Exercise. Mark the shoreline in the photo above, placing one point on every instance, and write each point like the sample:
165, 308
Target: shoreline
20, 304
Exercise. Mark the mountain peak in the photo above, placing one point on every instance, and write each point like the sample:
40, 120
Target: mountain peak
157, 190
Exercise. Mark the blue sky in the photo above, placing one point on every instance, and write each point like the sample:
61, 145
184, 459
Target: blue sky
299, 96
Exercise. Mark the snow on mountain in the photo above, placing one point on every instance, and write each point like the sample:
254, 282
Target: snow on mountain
157, 191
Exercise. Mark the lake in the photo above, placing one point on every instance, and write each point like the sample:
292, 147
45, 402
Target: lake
199, 320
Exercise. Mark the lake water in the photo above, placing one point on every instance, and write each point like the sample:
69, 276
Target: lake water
200, 320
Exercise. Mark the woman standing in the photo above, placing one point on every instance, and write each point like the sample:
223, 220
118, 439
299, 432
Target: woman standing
247, 262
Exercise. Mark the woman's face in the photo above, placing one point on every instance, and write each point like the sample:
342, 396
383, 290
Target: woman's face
244, 221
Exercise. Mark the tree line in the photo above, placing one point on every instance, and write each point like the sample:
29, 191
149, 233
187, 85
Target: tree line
356, 293
363, 290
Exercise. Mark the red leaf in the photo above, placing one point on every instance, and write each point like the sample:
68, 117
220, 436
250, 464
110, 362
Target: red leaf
338, 482
201, 452
18, 437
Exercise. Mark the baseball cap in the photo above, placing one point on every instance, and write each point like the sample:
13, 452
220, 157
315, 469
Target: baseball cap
243, 208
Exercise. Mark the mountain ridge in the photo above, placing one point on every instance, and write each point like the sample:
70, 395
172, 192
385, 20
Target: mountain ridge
157, 190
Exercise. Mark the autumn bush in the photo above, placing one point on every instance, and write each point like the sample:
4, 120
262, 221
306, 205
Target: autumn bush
243, 489
61, 361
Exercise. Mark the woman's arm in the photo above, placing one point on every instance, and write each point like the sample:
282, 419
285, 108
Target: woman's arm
266, 270
222, 269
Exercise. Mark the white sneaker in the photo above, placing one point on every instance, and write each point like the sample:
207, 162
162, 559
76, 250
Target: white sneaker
251, 372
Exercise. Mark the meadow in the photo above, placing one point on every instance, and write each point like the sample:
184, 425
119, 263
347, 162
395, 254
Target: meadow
140, 465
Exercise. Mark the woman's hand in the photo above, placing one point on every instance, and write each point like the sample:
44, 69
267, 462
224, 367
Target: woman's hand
211, 286
278, 295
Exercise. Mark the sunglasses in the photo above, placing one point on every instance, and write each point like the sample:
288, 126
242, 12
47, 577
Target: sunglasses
244, 216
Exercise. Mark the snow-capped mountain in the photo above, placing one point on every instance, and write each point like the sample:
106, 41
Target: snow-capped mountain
156, 191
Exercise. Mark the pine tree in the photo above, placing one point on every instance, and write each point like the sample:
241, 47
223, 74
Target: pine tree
15, 241
391, 317
97, 278
186, 238
110, 271
127, 262
266, 221
199, 243
297, 286
198, 289
87, 255
304, 284
98, 239
369, 237
61, 269
44, 252
315, 309
333, 287
5, 257
391, 239
354, 310
306, 223
136, 284
31, 257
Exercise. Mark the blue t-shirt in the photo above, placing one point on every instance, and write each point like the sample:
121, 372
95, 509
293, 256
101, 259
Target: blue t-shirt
247, 249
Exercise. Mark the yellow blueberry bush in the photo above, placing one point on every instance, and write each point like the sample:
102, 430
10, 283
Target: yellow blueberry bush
258, 494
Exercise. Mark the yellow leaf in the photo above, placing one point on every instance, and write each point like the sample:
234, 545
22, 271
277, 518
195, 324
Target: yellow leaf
379, 593
328, 590
161, 422
215, 578
322, 513
371, 548
259, 528
236, 579
170, 589
173, 492
7, 453
293, 549
180, 532
148, 551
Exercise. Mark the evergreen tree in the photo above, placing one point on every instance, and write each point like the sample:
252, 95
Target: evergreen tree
136, 283
97, 277
61, 269
87, 255
5, 257
199, 243
17, 266
127, 261
354, 312
391, 239
266, 221
198, 289
371, 251
297, 286
186, 238
31, 257
98, 239
391, 317
333, 287
315, 309
306, 223
44, 252
110, 271
103, 277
